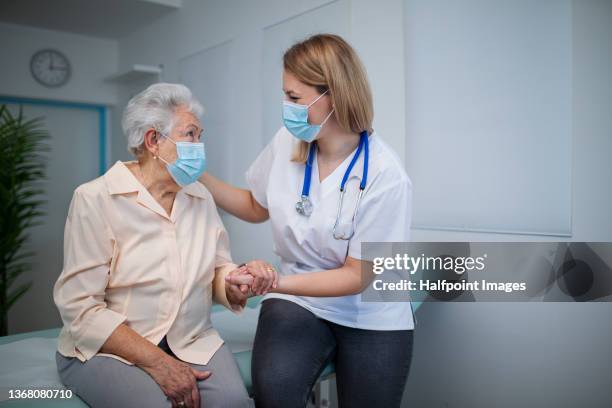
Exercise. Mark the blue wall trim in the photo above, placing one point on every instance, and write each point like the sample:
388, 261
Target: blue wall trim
100, 109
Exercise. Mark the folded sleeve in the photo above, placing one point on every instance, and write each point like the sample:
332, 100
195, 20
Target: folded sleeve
80, 289
223, 266
383, 216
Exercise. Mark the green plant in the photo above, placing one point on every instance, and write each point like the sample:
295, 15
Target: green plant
22, 170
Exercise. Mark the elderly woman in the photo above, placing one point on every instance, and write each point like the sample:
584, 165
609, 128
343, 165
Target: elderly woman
145, 253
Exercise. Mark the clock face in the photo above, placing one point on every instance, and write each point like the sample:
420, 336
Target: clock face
50, 68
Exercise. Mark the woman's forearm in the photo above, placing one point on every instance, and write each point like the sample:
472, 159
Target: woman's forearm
344, 281
236, 201
131, 346
176, 378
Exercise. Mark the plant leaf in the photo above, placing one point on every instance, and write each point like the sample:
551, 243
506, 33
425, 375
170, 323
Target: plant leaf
15, 294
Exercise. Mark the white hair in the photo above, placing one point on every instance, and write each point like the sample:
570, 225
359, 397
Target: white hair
154, 108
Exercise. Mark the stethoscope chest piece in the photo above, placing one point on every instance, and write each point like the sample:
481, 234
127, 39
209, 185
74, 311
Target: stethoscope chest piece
304, 206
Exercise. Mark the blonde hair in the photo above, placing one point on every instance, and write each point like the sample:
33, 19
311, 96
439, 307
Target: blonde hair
327, 62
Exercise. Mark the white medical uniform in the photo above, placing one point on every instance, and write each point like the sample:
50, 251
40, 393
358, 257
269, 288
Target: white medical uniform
306, 244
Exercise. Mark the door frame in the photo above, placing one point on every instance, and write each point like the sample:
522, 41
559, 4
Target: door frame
101, 110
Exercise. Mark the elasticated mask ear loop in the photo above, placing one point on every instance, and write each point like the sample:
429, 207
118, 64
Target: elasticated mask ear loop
328, 116
170, 139
319, 97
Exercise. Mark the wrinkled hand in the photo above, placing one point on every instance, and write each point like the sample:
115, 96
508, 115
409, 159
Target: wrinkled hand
265, 276
237, 284
178, 381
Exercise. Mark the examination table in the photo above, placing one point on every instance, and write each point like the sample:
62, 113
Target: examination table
28, 360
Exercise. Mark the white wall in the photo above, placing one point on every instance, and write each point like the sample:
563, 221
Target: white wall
591, 171
92, 60
489, 114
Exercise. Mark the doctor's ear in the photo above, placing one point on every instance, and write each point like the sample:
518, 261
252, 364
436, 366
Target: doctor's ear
151, 141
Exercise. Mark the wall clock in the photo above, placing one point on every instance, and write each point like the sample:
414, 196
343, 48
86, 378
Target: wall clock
50, 68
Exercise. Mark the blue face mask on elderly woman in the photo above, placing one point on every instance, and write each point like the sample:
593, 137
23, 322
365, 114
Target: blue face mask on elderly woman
295, 119
190, 162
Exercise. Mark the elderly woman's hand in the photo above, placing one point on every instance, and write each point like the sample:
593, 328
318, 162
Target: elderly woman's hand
177, 380
237, 284
265, 276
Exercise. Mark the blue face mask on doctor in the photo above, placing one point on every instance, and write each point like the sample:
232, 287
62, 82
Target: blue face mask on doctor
295, 119
190, 162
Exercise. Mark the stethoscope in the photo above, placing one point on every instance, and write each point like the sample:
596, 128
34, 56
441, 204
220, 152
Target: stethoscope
304, 205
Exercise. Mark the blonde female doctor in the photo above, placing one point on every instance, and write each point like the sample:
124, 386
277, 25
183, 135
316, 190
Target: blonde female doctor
327, 182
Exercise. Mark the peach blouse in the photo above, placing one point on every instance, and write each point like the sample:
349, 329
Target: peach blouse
127, 261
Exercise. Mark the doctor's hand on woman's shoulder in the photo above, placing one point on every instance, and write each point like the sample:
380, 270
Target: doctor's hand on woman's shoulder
236, 201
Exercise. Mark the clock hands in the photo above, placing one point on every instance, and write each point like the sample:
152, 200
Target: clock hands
55, 67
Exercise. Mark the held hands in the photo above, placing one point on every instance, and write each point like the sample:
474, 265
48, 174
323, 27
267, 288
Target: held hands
237, 284
264, 276
251, 279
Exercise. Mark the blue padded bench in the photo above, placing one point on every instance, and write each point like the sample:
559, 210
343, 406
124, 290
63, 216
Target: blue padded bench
228, 325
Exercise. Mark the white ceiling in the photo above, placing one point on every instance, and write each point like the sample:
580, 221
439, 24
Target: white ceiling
98, 18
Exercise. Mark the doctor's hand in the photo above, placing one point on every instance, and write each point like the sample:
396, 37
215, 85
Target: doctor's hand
264, 275
237, 284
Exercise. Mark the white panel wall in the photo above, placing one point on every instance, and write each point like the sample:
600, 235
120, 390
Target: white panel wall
377, 29
592, 120
208, 74
488, 111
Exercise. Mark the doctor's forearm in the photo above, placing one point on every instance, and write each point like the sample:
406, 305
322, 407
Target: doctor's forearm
236, 201
334, 282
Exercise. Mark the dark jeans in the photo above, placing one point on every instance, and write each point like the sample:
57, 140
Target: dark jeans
292, 346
